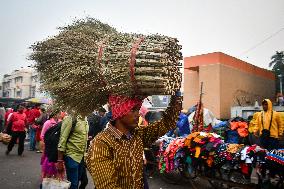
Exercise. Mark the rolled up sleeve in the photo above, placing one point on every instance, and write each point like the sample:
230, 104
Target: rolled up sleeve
64, 133
159, 128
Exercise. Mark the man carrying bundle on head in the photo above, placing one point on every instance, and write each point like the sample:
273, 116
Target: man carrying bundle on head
115, 157
115, 63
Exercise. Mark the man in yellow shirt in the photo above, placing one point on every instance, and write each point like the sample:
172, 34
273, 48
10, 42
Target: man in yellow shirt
267, 125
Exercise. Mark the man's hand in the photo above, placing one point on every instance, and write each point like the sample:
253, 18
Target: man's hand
60, 169
145, 161
255, 133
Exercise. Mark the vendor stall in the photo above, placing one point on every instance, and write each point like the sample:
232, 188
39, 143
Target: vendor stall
207, 155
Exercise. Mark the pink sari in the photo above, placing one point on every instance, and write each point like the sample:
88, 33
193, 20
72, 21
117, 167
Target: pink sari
48, 169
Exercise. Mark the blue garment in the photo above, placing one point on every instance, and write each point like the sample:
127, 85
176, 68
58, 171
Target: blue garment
74, 171
232, 137
171, 133
32, 139
191, 109
183, 125
221, 124
104, 120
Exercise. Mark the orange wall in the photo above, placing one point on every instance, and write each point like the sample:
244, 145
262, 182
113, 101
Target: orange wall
221, 58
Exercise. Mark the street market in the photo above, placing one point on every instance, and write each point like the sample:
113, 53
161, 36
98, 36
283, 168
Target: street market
106, 107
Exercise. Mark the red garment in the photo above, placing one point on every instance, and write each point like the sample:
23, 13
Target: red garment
19, 121
33, 114
208, 129
27, 112
245, 168
38, 132
198, 119
6, 116
122, 105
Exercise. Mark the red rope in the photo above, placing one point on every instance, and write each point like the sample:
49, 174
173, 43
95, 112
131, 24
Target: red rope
99, 59
132, 59
100, 54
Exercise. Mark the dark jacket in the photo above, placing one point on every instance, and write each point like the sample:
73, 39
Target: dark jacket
95, 126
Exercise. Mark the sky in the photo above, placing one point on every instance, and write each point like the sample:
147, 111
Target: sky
251, 30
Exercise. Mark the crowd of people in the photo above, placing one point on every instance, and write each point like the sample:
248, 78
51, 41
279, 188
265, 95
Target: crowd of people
32, 123
20, 121
109, 143
63, 139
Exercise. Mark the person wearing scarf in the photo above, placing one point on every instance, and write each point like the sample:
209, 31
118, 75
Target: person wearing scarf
115, 156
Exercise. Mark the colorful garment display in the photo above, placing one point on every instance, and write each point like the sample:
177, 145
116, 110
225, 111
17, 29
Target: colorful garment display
183, 125
208, 150
277, 156
170, 153
241, 127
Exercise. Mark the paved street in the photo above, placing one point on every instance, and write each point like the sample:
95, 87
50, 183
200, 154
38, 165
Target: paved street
24, 172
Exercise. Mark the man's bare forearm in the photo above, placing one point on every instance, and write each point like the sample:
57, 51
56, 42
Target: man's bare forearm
60, 155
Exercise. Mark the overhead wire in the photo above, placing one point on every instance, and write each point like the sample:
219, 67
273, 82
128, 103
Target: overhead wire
261, 42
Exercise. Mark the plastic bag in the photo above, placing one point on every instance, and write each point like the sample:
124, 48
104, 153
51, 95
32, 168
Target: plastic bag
5, 138
51, 183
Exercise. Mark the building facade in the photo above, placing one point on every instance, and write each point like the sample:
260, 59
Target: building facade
22, 84
227, 82
1, 90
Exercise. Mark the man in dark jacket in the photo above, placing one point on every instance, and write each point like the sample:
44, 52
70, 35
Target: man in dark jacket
39, 123
95, 125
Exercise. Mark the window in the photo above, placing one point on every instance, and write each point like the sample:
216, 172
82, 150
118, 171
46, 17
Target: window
19, 94
34, 78
160, 100
32, 92
5, 93
6, 85
18, 79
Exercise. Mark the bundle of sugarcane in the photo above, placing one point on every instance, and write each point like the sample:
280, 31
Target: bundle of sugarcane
88, 60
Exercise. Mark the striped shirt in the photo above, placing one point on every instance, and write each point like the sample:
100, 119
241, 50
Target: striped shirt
115, 160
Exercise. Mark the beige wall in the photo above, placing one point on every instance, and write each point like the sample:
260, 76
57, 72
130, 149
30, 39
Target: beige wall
244, 86
191, 88
222, 84
210, 77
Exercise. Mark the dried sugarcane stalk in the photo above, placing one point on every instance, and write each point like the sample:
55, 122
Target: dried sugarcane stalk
88, 60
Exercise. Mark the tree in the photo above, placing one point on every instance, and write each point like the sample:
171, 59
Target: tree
277, 60
278, 67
